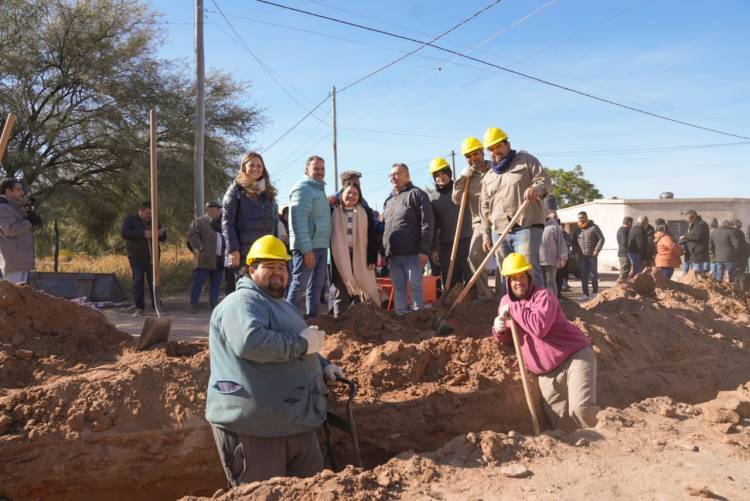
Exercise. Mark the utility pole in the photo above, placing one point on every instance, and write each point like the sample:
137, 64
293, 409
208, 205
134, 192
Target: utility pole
453, 162
335, 149
200, 109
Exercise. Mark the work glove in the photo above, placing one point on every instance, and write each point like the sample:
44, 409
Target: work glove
331, 372
314, 338
504, 311
499, 324
467, 172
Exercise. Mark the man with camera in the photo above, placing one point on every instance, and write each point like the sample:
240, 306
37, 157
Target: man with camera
18, 219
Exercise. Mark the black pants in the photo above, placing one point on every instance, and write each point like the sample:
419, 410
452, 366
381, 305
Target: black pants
461, 272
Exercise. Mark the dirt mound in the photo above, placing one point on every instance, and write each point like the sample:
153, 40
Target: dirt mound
668, 443
132, 427
43, 336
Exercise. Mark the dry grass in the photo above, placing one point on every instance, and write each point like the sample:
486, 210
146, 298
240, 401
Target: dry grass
175, 272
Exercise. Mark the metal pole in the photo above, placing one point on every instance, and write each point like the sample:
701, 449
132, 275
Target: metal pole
335, 149
154, 209
200, 109
453, 164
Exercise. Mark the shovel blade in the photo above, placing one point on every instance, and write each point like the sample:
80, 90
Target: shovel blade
155, 331
440, 327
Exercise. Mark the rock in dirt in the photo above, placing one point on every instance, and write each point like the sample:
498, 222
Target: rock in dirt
25, 354
515, 471
5, 423
704, 492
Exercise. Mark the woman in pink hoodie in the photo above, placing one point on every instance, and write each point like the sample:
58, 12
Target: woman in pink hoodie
553, 348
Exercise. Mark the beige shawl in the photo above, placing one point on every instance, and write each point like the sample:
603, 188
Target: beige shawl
358, 278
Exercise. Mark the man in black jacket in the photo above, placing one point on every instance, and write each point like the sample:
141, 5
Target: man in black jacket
409, 227
622, 247
697, 238
136, 230
725, 245
638, 245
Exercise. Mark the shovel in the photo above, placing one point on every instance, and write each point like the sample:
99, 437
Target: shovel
524, 381
438, 323
155, 330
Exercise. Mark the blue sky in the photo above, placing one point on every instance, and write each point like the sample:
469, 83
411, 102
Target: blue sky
686, 60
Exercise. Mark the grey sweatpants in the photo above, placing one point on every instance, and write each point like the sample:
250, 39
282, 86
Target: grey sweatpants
550, 278
246, 458
570, 390
476, 256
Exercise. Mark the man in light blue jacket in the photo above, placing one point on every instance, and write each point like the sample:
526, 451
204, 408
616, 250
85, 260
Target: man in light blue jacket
310, 237
266, 395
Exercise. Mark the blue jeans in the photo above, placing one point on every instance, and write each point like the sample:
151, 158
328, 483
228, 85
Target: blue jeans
308, 283
405, 271
524, 241
588, 269
637, 262
667, 272
701, 267
142, 271
214, 278
719, 271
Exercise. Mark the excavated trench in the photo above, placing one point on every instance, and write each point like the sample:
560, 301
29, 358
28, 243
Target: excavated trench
129, 425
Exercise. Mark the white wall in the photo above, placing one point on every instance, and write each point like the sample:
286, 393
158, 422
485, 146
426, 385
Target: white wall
608, 215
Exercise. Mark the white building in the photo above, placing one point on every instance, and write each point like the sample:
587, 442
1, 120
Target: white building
608, 215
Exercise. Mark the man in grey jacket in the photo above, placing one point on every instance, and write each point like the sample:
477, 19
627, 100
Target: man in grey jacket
588, 241
16, 233
471, 179
514, 177
266, 394
207, 245
407, 240
553, 253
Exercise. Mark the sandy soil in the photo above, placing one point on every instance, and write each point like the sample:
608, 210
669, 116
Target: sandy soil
83, 416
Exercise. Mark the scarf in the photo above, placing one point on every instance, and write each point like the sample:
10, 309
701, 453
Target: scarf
448, 188
358, 278
497, 168
251, 187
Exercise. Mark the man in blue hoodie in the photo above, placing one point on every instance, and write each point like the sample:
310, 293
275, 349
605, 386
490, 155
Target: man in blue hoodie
310, 237
266, 395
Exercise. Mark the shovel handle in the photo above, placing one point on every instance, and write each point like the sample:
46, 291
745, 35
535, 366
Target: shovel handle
5, 137
491, 253
456, 238
524, 378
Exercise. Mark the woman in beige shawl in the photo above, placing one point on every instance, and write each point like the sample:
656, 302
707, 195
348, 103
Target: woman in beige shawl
354, 251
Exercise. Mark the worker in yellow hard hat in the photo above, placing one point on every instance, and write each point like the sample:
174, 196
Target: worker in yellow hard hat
514, 177
266, 392
471, 178
446, 221
553, 348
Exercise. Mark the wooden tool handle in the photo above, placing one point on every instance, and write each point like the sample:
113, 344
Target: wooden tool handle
457, 237
5, 137
524, 379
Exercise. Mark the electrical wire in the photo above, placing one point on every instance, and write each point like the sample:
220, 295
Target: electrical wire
296, 124
424, 44
509, 70
272, 74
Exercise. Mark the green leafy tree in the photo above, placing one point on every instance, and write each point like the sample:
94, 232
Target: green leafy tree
81, 76
570, 187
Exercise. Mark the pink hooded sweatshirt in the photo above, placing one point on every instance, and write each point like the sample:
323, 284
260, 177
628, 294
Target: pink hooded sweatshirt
547, 337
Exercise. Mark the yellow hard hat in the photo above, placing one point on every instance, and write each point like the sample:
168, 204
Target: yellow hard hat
514, 264
470, 144
267, 247
437, 164
493, 135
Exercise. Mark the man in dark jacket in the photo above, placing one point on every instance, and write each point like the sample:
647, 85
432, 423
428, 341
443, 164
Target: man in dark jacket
136, 230
409, 227
588, 241
724, 244
697, 237
622, 247
17, 223
207, 245
744, 247
638, 245
446, 220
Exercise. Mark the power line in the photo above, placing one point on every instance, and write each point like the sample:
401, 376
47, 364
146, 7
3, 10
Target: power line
296, 124
509, 70
424, 44
274, 76
648, 149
